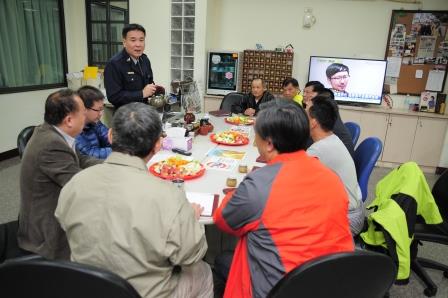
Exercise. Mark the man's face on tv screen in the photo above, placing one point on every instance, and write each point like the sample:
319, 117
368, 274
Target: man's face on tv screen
339, 80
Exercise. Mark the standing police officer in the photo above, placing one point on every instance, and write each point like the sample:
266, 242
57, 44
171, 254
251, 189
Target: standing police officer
128, 75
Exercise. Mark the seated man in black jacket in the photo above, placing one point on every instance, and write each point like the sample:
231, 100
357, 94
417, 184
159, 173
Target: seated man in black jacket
339, 128
250, 105
314, 88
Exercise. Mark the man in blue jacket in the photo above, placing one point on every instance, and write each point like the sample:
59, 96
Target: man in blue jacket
93, 139
128, 75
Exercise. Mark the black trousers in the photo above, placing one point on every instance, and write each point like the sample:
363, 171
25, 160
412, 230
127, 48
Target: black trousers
221, 270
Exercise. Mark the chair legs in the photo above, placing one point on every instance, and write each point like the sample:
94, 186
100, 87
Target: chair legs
431, 288
427, 263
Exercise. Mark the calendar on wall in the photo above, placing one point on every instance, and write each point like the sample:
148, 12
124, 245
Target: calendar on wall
271, 66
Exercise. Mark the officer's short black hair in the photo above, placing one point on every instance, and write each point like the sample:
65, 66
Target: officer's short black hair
136, 128
132, 27
59, 104
291, 81
325, 111
90, 95
285, 123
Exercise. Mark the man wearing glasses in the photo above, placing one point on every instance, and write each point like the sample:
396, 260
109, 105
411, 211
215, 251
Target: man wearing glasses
93, 139
338, 75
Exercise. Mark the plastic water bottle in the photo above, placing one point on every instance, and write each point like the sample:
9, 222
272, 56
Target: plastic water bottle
407, 102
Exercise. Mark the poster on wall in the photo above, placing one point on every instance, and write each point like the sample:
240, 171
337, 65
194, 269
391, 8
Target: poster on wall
442, 53
426, 47
428, 101
397, 40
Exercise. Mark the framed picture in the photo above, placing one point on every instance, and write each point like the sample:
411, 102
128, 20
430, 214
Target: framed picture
428, 101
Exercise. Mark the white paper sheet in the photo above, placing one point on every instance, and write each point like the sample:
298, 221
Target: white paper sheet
204, 199
426, 46
393, 89
435, 80
419, 73
393, 67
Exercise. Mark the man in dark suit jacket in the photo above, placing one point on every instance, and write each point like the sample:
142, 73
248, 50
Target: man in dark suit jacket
50, 160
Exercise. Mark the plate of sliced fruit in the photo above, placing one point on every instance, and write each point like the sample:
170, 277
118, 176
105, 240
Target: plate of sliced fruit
177, 167
240, 120
230, 138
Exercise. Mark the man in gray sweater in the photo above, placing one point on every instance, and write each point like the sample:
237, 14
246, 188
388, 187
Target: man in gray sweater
322, 113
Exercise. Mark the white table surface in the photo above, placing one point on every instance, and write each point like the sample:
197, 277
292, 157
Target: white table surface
214, 181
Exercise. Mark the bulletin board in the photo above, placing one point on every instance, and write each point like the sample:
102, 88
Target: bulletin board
417, 51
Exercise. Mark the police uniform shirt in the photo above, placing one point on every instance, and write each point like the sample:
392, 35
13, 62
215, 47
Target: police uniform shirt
124, 79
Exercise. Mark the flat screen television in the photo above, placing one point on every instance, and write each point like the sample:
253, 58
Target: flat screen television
353, 81
222, 72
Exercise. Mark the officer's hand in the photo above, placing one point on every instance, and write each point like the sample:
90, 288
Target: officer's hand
149, 90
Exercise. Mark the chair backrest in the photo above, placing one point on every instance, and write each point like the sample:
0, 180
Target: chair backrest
355, 131
9, 248
366, 155
23, 138
440, 194
25, 277
231, 99
349, 275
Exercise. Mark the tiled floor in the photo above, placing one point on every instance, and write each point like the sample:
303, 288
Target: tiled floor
9, 206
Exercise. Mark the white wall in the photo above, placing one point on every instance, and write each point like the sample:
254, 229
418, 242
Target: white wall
76, 34
154, 15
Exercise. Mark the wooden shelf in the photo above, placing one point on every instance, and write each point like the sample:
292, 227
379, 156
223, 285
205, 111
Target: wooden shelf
271, 66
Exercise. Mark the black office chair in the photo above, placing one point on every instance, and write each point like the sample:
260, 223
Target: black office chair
350, 275
8, 241
230, 100
23, 138
37, 277
433, 233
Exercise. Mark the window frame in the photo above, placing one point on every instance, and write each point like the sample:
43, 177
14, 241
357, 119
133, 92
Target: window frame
64, 61
182, 69
108, 23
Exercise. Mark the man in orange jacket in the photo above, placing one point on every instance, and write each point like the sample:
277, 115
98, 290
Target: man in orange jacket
290, 211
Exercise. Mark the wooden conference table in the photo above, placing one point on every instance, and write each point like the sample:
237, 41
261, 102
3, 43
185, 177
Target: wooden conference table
214, 181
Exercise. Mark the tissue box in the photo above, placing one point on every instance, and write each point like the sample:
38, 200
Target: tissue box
175, 139
184, 143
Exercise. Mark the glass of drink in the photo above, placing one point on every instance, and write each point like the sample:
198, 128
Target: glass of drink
179, 183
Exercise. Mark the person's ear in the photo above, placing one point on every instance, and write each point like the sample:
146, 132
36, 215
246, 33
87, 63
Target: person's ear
269, 145
68, 121
313, 123
109, 135
158, 145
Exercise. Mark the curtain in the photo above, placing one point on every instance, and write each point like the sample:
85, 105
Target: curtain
30, 43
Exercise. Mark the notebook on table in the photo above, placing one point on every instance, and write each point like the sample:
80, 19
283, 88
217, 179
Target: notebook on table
207, 200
